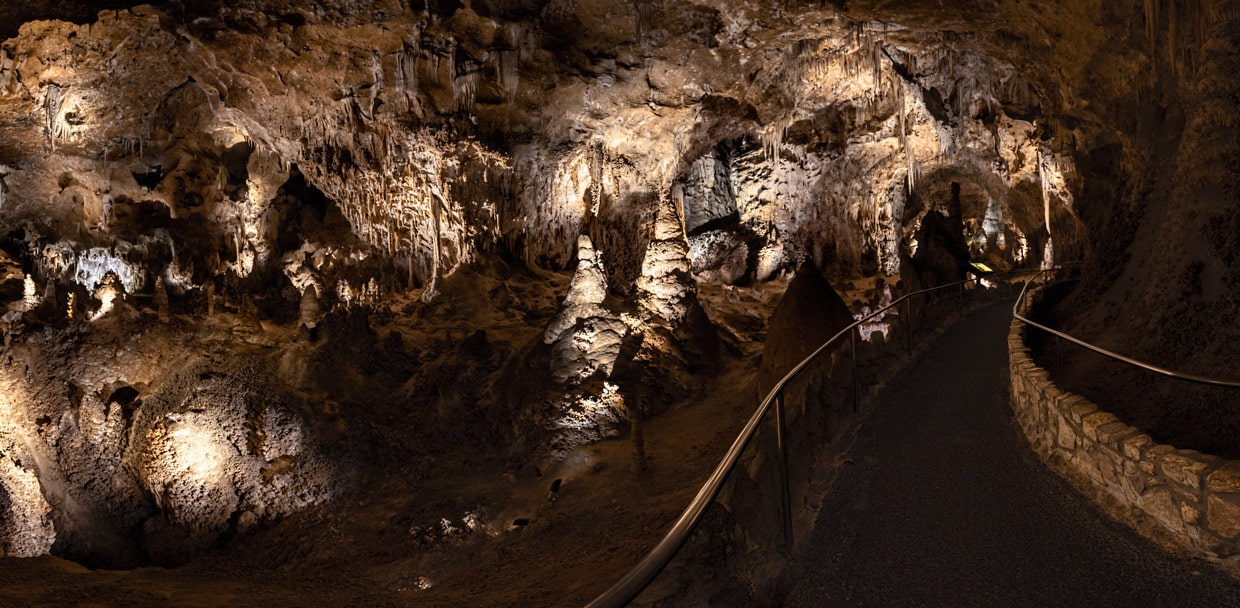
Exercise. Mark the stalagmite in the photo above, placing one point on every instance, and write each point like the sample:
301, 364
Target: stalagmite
161, 300
209, 290
665, 287
309, 308
30, 295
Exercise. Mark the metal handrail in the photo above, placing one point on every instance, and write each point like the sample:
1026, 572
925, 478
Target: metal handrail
1102, 351
640, 576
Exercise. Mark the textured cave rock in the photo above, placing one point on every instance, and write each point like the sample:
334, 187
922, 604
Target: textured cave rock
809, 314
584, 335
145, 456
210, 143
26, 528
219, 456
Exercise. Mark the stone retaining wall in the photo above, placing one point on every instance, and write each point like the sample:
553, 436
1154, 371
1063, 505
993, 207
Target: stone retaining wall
1183, 499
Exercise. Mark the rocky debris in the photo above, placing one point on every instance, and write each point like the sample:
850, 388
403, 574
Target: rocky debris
450, 532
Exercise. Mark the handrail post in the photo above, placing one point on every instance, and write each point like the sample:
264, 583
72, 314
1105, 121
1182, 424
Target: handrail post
1059, 358
781, 441
908, 323
852, 339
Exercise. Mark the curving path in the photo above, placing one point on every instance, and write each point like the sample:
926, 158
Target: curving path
945, 504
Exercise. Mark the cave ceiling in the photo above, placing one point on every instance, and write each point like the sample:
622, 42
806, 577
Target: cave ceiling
521, 122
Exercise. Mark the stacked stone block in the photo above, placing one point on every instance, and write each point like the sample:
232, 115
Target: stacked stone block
1183, 499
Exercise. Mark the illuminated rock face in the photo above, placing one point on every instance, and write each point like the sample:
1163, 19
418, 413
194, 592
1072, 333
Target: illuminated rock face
26, 528
217, 134
116, 475
665, 291
225, 458
584, 336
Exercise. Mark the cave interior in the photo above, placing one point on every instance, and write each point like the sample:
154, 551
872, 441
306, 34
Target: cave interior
320, 297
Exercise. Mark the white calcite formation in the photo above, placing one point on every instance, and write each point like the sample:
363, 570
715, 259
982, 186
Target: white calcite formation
584, 336
666, 291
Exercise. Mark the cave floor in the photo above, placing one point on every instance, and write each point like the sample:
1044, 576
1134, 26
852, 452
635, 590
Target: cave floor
945, 504
365, 547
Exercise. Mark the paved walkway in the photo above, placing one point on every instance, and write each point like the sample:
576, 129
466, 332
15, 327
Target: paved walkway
946, 505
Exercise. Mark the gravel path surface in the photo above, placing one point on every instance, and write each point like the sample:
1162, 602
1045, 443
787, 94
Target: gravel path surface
945, 504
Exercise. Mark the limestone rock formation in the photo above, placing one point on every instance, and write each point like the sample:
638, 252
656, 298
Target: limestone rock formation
215, 455
666, 292
26, 528
116, 438
416, 179
809, 314
584, 336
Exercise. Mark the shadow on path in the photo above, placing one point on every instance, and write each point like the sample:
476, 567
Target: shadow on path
945, 504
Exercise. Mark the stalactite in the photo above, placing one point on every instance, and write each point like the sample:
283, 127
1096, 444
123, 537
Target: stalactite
1173, 35
1151, 8
465, 89
645, 21
898, 93
1046, 193
773, 139
429, 292
407, 64
597, 153
876, 62
53, 98
914, 170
